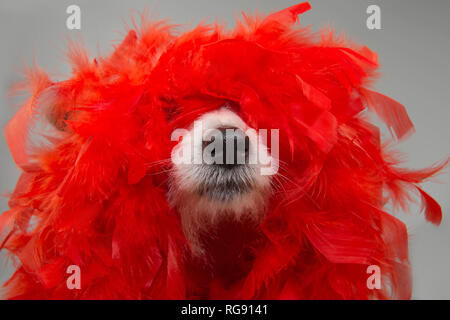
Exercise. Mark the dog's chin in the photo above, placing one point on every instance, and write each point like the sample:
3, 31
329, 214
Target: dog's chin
234, 194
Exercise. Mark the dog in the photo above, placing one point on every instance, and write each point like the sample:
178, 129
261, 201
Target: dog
212, 164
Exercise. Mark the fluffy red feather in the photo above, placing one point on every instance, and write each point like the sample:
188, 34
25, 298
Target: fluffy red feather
96, 190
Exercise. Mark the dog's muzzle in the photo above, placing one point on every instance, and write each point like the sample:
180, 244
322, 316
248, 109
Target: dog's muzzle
216, 162
225, 170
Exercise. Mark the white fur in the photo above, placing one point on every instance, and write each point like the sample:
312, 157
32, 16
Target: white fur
199, 211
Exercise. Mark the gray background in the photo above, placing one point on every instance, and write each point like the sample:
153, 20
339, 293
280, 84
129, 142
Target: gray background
413, 50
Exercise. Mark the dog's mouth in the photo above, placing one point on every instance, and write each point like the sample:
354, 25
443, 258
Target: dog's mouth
222, 183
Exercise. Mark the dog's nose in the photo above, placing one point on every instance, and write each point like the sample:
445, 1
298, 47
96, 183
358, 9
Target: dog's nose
233, 149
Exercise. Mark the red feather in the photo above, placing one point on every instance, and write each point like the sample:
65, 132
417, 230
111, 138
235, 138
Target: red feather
391, 112
95, 195
431, 208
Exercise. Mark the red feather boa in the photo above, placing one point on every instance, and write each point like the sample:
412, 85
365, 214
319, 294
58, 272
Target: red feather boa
95, 191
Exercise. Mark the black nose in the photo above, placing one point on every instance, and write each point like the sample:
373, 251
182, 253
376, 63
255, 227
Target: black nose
232, 149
